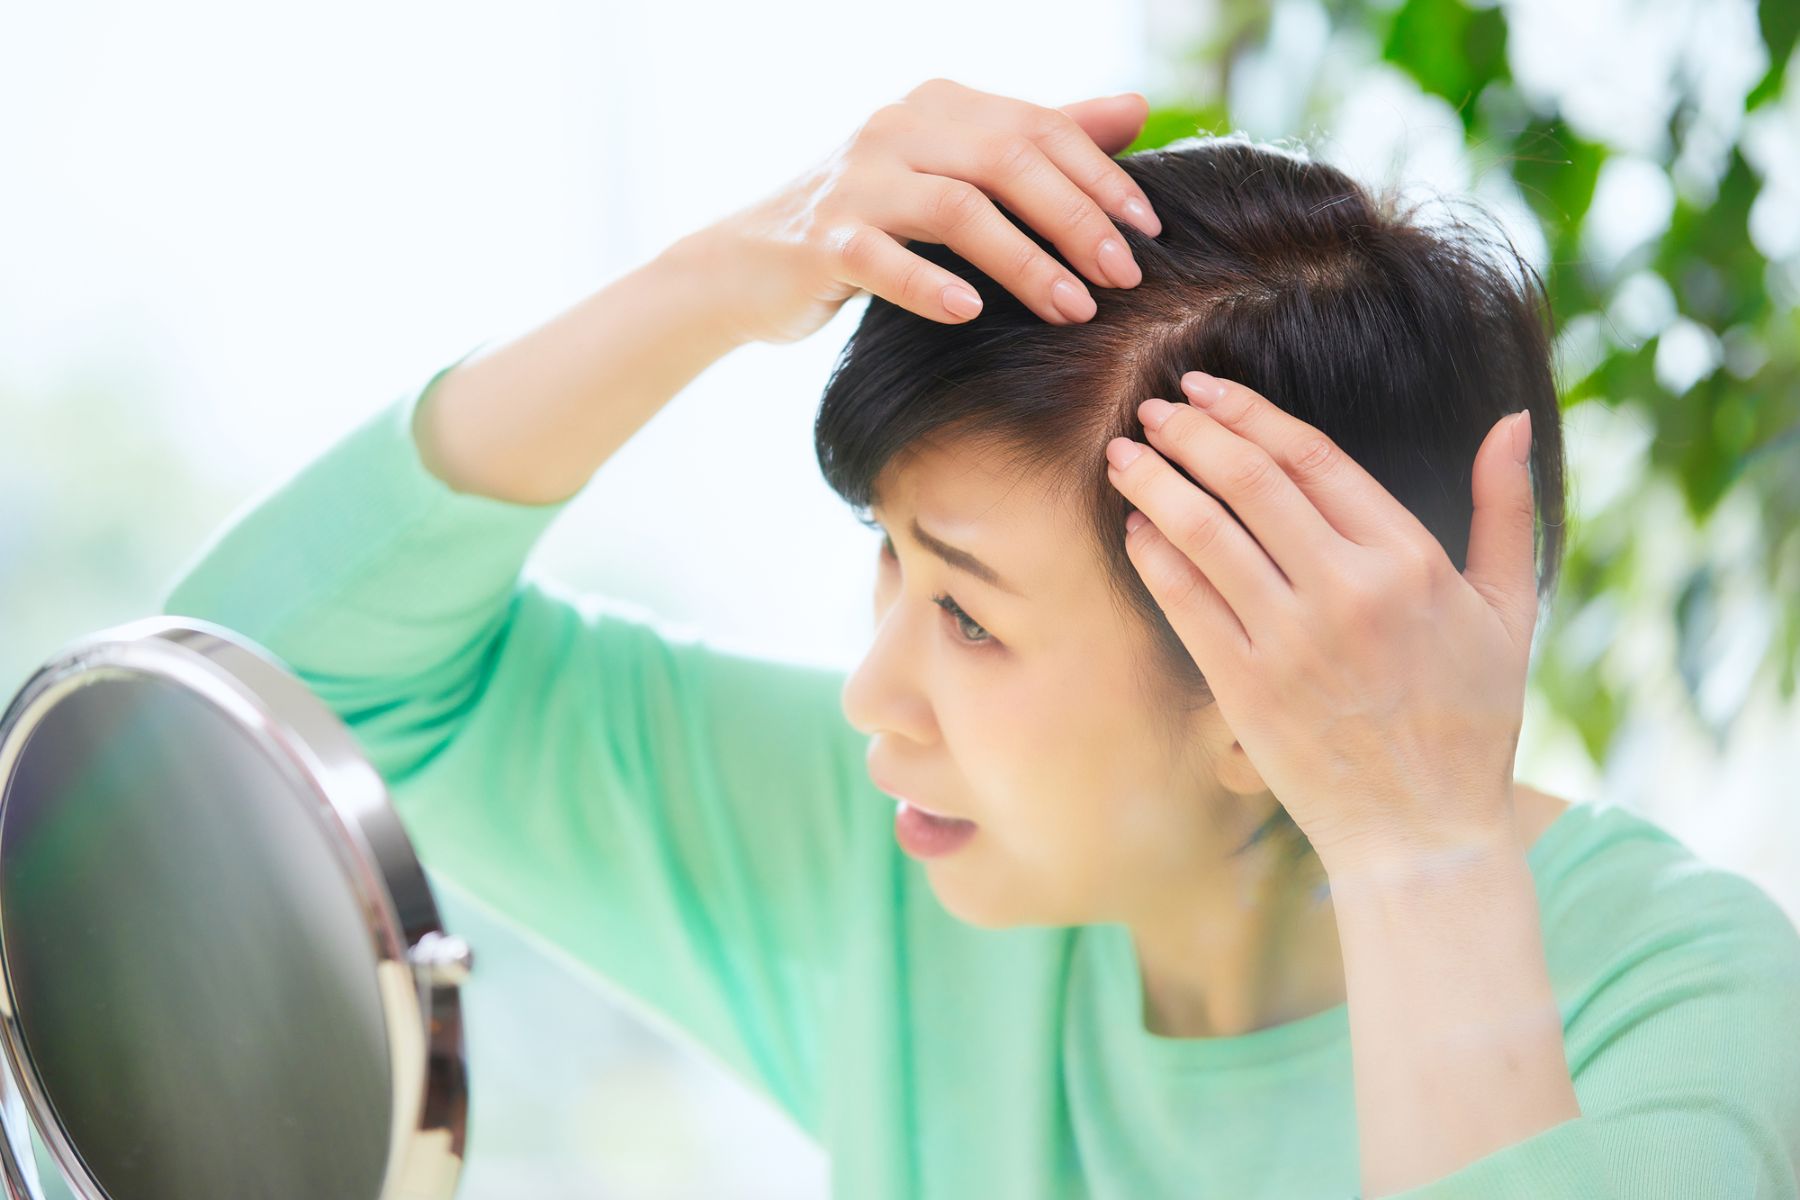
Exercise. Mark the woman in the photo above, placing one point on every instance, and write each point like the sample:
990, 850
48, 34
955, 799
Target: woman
1209, 876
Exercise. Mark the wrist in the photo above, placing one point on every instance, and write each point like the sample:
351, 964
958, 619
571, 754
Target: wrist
1411, 861
710, 266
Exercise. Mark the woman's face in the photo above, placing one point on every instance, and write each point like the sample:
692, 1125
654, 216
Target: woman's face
1027, 713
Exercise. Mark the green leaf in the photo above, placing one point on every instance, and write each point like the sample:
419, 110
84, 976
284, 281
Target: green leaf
1779, 21
1452, 50
1165, 125
1556, 170
1707, 467
1714, 269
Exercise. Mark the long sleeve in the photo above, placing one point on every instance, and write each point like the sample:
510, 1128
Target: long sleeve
667, 813
1685, 1061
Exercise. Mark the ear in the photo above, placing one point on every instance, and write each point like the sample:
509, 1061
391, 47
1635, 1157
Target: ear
1237, 774
1229, 764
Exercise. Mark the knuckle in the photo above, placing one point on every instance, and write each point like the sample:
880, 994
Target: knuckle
885, 121
1370, 592
1418, 566
1251, 474
1182, 587
1027, 260
1198, 529
1047, 124
1316, 458
1524, 514
954, 205
1078, 213
931, 87
856, 249
912, 281
1007, 154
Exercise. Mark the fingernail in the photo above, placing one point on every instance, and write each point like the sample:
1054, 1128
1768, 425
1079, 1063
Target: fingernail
1153, 412
1521, 436
1202, 389
1118, 264
1134, 520
1122, 452
961, 301
1139, 214
1072, 301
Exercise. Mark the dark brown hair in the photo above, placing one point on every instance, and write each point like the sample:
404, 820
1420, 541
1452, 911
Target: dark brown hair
1403, 339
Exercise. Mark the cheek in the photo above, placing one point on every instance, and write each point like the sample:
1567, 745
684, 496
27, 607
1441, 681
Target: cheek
1153, 826
1124, 802
1076, 788
1078, 819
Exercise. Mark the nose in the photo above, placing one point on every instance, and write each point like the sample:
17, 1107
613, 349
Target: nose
886, 691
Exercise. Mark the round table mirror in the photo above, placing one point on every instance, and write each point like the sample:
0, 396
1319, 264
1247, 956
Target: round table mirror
222, 973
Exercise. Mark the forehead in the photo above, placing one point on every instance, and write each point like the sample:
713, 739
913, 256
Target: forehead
1013, 518
953, 486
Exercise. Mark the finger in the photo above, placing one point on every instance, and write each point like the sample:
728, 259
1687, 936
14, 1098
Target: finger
1198, 614
1502, 560
871, 259
1016, 169
1351, 499
1244, 475
1198, 525
1113, 122
1060, 135
957, 214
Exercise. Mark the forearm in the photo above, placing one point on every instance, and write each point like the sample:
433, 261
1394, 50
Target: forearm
529, 420
1456, 1041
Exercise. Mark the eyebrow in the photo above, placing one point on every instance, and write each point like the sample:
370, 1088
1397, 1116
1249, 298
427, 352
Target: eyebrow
961, 559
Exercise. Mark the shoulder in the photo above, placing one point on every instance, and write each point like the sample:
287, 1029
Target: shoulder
1677, 980
1625, 902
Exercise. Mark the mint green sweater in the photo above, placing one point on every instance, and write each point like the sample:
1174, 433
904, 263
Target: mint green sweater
696, 825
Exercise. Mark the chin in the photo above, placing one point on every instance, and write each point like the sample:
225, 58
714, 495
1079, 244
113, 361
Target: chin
983, 920
993, 906
980, 908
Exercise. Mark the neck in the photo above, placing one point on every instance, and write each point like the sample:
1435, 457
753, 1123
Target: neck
1247, 948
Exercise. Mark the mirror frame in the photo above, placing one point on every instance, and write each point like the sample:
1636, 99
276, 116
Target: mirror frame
419, 968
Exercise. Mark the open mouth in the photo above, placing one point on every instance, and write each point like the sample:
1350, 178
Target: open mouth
927, 835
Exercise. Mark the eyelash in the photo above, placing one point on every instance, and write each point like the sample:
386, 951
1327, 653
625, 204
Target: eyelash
943, 599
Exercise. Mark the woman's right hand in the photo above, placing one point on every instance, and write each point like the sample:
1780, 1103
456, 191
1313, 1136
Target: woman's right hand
924, 168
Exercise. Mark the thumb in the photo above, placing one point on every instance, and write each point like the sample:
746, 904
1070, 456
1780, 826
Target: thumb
1112, 121
1502, 563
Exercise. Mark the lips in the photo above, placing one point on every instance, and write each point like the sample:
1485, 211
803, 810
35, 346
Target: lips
900, 794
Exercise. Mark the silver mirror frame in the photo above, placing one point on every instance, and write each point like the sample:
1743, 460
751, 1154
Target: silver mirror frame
419, 968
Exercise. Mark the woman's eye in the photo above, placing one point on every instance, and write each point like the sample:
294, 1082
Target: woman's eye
964, 622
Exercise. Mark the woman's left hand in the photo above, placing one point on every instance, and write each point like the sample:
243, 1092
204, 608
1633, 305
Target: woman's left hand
1378, 692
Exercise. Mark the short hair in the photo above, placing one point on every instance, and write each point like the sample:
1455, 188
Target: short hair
1402, 339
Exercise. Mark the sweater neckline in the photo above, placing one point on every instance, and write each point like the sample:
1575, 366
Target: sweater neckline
1110, 946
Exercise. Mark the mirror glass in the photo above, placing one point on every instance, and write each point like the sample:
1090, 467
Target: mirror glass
180, 931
